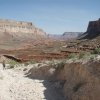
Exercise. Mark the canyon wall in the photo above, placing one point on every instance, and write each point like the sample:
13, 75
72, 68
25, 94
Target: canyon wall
11, 26
94, 26
93, 30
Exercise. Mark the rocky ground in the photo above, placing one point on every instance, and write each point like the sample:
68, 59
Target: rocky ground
71, 79
14, 85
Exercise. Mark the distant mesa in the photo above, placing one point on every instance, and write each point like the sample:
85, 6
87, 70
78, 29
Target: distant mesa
71, 35
11, 26
93, 30
66, 35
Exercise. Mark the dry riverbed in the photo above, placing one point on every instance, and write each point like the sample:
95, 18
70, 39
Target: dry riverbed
14, 85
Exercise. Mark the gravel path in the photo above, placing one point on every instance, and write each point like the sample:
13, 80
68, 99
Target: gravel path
15, 86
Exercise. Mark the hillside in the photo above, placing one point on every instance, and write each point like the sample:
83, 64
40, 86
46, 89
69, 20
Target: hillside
16, 34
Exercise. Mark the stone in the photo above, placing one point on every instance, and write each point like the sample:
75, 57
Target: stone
19, 27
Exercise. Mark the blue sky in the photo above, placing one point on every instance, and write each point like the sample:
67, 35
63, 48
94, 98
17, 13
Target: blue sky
53, 16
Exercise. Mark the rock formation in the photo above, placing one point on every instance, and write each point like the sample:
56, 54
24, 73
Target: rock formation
11, 26
16, 34
93, 30
71, 35
66, 35
78, 80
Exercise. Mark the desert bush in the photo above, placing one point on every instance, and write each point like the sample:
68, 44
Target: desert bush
57, 64
71, 56
96, 51
30, 62
60, 65
81, 55
93, 56
13, 63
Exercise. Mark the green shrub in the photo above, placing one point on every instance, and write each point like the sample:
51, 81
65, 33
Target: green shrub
61, 65
81, 55
92, 57
71, 56
96, 51
13, 63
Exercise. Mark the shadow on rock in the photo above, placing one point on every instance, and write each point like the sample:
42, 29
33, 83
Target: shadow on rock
53, 87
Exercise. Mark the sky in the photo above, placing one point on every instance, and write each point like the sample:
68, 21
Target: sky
53, 16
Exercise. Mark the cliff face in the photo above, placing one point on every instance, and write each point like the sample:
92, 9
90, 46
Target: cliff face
93, 30
11, 26
94, 26
19, 34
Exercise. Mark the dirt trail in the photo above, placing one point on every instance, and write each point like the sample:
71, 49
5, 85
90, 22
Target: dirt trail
15, 86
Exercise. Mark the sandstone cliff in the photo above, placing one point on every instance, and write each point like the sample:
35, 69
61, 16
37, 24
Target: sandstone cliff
11, 26
93, 30
16, 34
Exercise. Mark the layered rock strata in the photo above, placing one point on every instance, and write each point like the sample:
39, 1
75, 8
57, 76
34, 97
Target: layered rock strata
11, 26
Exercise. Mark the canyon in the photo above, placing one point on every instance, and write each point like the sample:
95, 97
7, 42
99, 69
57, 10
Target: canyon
42, 67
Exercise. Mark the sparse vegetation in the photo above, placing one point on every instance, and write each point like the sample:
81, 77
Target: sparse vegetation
96, 51
13, 63
81, 55
61, 65
71, 56
32, 62
93, 56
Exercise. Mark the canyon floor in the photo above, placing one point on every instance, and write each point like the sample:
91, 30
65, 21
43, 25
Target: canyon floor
14, 85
